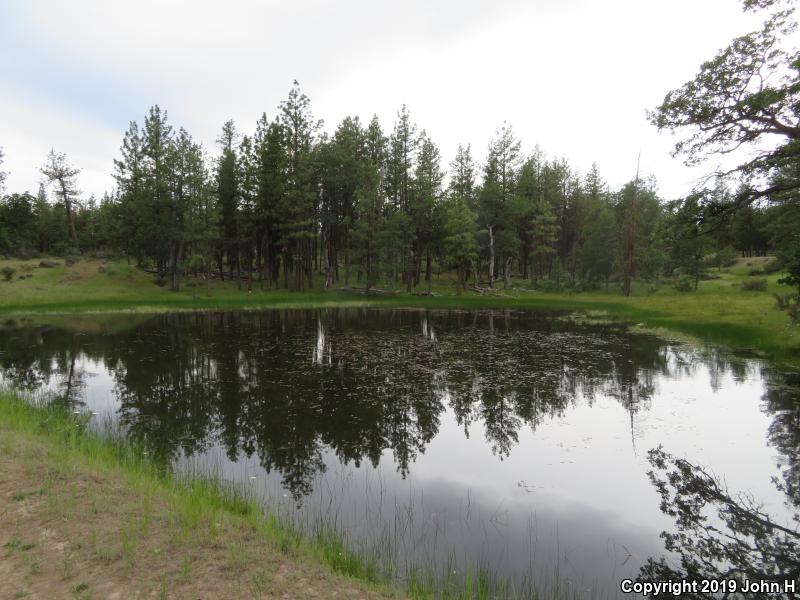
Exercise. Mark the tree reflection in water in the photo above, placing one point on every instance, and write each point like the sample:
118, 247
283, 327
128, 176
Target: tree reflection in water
719, 535
289, 386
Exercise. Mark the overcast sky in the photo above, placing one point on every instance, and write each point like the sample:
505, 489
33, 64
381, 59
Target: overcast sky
573, 76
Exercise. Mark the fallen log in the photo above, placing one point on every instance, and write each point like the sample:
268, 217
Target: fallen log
367, 291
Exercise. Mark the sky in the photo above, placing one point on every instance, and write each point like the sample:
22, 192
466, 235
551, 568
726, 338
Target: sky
574, 77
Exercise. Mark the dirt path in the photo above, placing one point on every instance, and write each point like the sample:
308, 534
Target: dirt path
75, 531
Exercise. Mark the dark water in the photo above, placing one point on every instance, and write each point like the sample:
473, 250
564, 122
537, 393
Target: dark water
516, 441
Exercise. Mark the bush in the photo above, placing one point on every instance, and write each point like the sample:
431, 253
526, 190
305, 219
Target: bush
772, 266
71, 260
543, 285
754, 285
790, 304
726, 257
754, 272
684, 284
783, 301
8, 273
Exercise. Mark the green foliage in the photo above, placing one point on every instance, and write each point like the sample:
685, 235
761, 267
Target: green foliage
790, 257
687, 241
290, 206
18, 218
597, 254
725, 257
460, 245
685, 283
749, 91
754, 285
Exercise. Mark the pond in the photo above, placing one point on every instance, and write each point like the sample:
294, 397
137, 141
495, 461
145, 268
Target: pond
522, 444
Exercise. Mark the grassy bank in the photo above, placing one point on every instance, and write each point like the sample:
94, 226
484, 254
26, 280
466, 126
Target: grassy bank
720, 311
88, 517
84, 515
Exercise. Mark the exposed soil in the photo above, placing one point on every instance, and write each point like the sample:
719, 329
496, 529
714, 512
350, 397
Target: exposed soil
72, 530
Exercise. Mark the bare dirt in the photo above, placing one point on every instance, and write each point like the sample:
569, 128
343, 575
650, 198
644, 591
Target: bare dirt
69, 529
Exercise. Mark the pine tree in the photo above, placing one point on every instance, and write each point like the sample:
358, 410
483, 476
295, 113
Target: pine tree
300, 229
227, 189
271, 166
63, 176
157, 142
427, 191
370, 201
462, 176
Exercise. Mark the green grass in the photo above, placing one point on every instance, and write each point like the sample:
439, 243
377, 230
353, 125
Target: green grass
719, 312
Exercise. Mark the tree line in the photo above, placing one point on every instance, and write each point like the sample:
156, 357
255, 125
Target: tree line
289, 205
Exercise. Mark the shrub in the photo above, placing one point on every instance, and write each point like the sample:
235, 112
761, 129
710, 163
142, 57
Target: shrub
754, 285
790, 304
783, 301
772, 266
684, 283
726, 257
8, 273
755, 271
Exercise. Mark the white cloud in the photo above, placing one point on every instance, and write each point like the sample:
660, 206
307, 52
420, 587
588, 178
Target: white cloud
30, 132
574, 77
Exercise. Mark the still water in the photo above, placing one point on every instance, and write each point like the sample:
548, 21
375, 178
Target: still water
512, 441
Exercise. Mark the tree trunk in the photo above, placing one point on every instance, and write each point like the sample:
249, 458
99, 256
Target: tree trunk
70, 217
175, 266
428, 268
507, 273
327, 262
347, 257
491, 255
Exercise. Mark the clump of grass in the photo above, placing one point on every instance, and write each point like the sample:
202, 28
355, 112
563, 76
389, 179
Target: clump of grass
754, 285
17, 545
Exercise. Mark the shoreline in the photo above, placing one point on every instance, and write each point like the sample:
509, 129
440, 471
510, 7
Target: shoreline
720, 312
94, 517
91, 515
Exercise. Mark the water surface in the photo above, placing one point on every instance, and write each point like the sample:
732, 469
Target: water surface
513, 440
